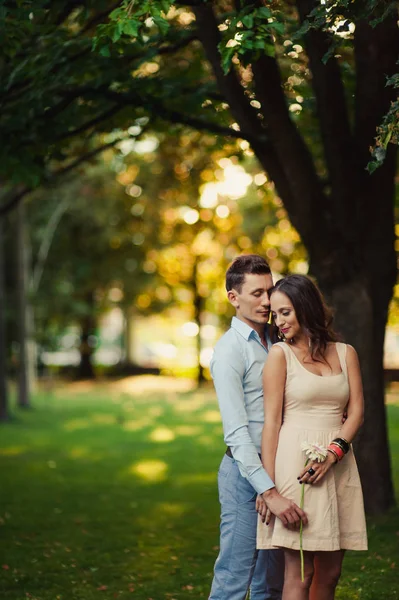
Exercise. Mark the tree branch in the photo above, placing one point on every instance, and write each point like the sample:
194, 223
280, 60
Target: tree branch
95, 121
333, 115
229, 85
98, 18
68, 9
14, 200
271, 152
45, 244
159, 110
376, 53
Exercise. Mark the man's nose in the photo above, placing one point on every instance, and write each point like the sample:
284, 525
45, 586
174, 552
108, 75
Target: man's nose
265, 299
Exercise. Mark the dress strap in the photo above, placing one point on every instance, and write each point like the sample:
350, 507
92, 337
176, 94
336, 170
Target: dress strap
341, 351
288, 354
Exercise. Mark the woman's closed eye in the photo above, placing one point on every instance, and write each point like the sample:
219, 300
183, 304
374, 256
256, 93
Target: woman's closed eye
285, 313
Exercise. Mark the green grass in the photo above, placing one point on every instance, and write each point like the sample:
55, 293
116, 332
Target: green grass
110, 492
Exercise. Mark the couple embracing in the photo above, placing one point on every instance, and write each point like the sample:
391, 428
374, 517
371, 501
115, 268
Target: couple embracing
282, 406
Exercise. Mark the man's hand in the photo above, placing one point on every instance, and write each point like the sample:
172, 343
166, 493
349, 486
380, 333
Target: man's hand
286, 510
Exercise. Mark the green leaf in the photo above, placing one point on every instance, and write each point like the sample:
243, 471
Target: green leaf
278, 27
165, 5
162, 24
270, 50
131, 28
227, 55
105, 51
248, 21
372, 166
265, 12
116, 31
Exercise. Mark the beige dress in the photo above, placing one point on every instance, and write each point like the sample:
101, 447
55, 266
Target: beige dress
313, 408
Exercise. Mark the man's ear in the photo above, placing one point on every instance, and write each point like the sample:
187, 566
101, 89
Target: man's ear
232, 295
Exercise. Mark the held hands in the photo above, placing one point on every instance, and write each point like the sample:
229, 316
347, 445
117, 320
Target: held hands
262, 510
319, 470
286, 510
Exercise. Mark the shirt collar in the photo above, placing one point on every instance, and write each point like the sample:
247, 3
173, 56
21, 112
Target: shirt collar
243, 329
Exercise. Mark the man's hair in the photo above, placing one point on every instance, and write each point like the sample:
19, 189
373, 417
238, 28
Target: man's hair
246, 263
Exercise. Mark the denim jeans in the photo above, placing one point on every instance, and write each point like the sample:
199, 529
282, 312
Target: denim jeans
239, 566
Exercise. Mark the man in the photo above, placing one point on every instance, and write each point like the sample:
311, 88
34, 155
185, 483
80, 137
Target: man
236, 368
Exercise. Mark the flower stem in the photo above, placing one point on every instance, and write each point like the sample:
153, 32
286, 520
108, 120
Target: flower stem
301, 529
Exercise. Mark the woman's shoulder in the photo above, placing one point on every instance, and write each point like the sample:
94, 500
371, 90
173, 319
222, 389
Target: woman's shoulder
279, 349
342, 346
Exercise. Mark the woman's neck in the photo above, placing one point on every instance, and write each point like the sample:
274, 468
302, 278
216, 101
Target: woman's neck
301, 342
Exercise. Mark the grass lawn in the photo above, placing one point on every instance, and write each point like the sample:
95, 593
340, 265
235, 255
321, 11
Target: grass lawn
109, 491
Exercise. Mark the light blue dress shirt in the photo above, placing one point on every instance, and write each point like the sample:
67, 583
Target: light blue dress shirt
236, 368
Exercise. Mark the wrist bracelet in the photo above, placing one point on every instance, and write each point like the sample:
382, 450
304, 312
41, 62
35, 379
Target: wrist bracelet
337, 450
343, 443
334, 454
338, 445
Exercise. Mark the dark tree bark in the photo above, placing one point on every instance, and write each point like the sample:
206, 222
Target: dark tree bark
4, 415
349, 230
87, 325
23, 367
198, 303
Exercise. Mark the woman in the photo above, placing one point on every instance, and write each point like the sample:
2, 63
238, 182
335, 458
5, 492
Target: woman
309, 380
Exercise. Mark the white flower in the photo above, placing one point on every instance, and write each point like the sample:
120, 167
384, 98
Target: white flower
314, 451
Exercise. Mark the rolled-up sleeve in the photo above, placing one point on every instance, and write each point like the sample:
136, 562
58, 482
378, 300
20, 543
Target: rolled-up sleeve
228, 368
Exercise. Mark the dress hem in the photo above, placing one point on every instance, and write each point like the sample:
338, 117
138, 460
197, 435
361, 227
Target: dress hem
309, 547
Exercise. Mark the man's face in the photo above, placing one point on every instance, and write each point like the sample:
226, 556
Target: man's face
252, 302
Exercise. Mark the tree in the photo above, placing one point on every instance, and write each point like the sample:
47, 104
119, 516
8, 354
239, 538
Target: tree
329, 195
248, 71
4, 411
89, 258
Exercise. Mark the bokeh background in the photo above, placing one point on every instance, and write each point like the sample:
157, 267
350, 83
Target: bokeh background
144, 146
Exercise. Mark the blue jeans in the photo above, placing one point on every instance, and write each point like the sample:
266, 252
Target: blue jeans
239, 566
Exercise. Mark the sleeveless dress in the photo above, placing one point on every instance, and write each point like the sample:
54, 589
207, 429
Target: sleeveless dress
312, 412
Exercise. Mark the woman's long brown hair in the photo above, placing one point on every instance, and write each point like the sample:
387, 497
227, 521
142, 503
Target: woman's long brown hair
311, 311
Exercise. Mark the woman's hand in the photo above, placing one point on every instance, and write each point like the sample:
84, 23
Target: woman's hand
262, 510
320, 469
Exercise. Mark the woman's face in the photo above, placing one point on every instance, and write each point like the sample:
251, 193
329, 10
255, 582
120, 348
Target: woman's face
284, 316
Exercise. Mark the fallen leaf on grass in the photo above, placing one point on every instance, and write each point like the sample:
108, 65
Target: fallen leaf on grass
5, 567
102, 588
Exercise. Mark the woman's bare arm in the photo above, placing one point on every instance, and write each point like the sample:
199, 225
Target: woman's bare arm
274, 377
355, 407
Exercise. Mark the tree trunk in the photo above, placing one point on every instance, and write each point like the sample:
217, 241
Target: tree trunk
23, 369
86, 369
128, 336
198, 308
3, 372
354, 320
